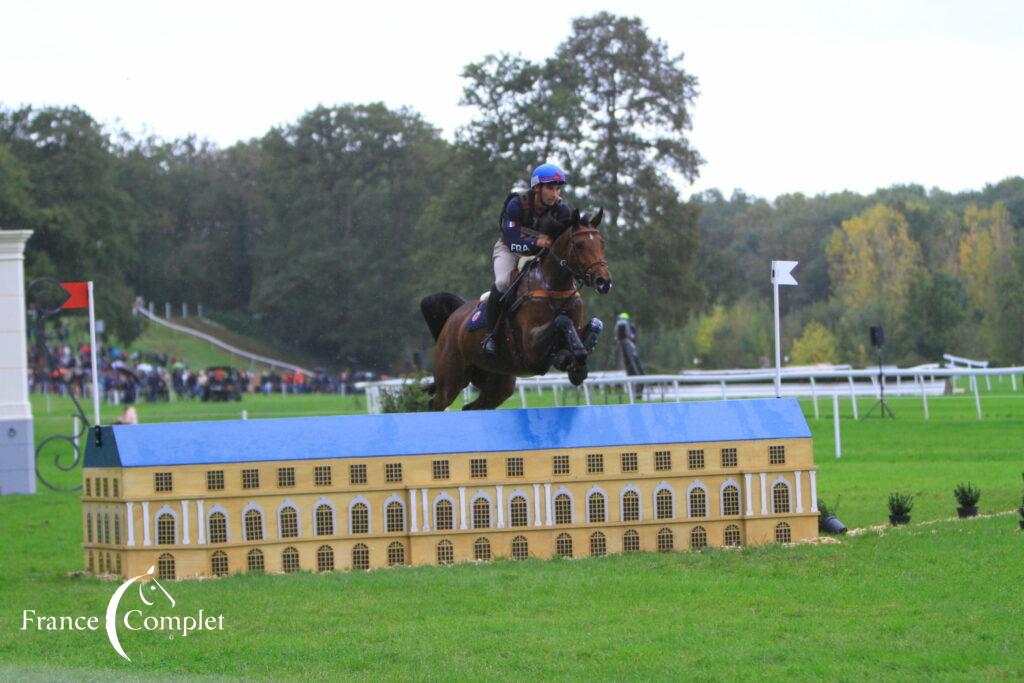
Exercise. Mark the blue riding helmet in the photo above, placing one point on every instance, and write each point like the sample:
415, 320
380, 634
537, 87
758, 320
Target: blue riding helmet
547, 174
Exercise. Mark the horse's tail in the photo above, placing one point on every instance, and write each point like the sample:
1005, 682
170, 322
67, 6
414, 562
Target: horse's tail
436, 310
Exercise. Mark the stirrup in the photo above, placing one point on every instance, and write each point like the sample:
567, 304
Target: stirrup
490, 344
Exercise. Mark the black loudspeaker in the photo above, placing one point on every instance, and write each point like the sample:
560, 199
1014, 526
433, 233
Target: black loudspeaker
877, 336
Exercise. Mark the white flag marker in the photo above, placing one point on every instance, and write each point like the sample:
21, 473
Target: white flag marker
782, 274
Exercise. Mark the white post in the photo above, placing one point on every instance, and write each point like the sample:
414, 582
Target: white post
778, 347
547, 496
92, 352
814, 490
725, 396
74, 429
799, 493
835, 424
977, 397
200, 522
501, 507
750, 495
853, 399
167, 310
764, 494
184, 522
184, 311
814, 397
413, 525
924, 397
145, 523
522, 396
245, 414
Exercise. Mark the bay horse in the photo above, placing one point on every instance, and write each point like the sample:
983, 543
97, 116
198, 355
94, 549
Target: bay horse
543, 325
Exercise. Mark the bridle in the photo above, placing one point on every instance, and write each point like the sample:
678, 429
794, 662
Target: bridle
584, 276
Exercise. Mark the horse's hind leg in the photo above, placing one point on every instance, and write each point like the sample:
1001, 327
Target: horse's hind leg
449, 380
494, 390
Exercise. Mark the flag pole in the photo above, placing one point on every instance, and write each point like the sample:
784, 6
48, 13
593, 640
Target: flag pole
92, 352
778, 347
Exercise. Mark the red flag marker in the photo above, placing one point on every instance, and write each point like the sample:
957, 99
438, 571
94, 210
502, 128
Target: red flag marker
78, 294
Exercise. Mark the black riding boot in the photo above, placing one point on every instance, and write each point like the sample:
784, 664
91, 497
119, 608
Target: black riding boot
490, 343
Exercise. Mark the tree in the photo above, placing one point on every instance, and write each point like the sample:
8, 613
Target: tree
937, 304
871, 262
816, 345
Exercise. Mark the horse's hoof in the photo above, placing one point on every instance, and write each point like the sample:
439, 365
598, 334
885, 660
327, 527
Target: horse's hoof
562, 360
577, 374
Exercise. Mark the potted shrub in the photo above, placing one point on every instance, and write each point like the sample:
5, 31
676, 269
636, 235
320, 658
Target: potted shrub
827, 520
900, 505
967, 495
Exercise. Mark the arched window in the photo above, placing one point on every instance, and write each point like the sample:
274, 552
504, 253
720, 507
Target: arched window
698, 538
219, 563
518, 511
290, 560
730, 500
360, 518
595, 508
444, 516
631, 506
520, 548
666, 541
165, 567
360, 556
698, 502
780, 498
253, 525
395, 518
783, 534
445, 552
732, 536
396, 554
165, 532
218, 528
563, 545
482, 550
598, 544
630, 541
563, 509
324, 520
289, 521
254, 560
481, 513
325, 559
663, 504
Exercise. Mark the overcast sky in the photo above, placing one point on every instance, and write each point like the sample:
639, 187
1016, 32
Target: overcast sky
794, 96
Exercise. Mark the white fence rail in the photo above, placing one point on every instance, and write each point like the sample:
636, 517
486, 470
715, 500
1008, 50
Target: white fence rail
923, 381
218, 343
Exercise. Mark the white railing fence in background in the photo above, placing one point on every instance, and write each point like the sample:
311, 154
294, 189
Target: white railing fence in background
148, 313
924, 381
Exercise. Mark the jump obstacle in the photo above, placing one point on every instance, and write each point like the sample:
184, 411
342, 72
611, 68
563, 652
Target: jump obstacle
368, 491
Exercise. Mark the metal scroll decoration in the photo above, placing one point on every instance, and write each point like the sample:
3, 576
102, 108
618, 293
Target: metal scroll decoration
46, 290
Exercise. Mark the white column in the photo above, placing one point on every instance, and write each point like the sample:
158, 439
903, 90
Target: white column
536, 505
814, 490
130, 523
17, 449
750, 496
799, 494
145, 523
201, 522
547, 497
764, 496
426, 511
501, 507
462, 507
184, 522
413, 526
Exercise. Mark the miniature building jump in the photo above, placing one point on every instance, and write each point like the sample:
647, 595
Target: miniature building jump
367, 491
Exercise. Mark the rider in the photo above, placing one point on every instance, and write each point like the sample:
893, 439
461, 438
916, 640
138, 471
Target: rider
526, 228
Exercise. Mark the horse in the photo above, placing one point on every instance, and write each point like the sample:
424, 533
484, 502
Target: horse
543, 325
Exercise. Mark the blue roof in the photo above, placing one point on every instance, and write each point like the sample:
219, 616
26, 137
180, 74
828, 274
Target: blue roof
360, 436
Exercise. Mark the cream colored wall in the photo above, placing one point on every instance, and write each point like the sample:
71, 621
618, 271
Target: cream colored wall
189, 487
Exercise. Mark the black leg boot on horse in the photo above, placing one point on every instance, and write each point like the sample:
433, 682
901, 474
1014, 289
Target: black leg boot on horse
494, 309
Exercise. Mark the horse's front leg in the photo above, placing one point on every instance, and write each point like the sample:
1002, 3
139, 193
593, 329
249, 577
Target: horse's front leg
572, 340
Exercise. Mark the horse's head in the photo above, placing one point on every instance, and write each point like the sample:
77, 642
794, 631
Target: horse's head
580, 248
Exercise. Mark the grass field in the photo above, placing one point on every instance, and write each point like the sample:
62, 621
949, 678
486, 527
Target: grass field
940, 599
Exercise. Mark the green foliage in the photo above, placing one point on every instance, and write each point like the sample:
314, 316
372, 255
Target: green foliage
967, 495
816, 345
900, 504
408, 398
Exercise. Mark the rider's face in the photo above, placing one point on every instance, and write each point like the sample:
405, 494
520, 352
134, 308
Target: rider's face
549, 194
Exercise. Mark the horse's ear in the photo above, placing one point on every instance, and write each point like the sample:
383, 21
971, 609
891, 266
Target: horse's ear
575, 218
585, 219
597, 219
